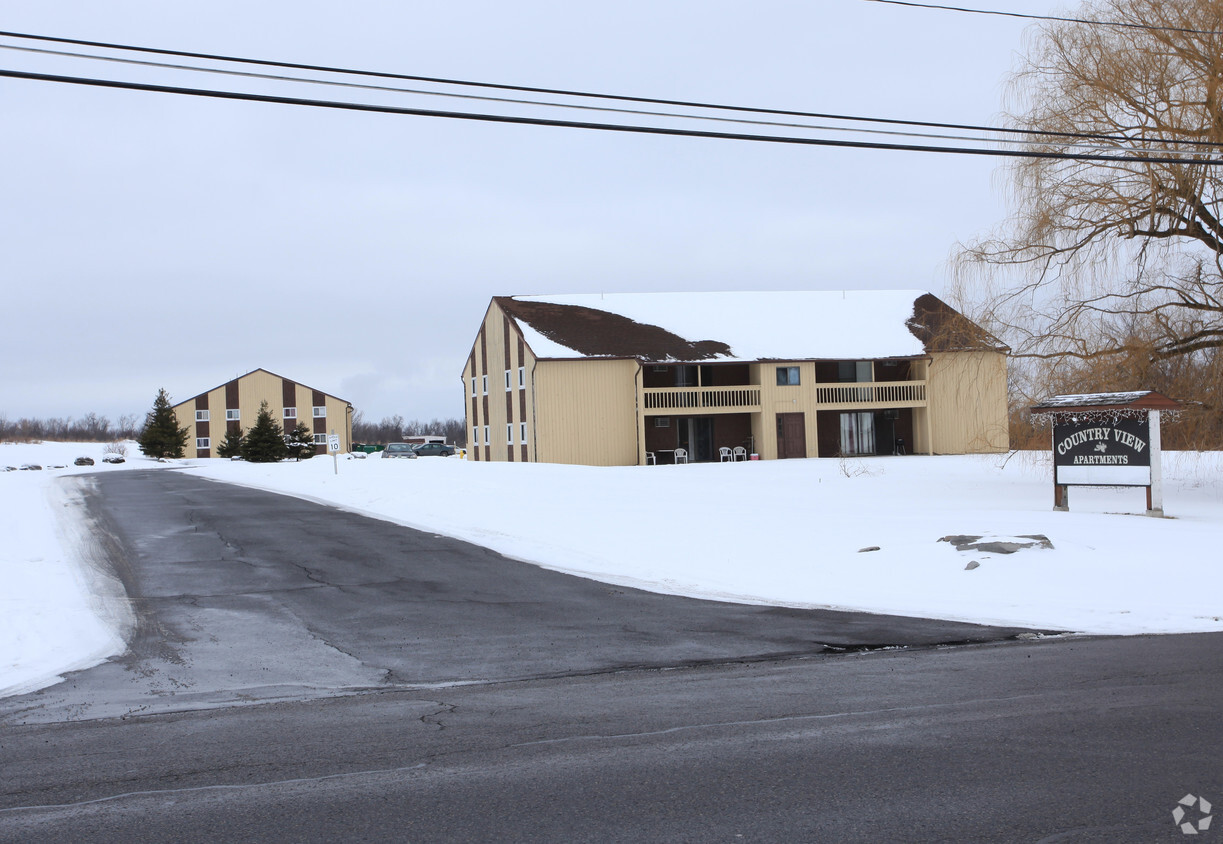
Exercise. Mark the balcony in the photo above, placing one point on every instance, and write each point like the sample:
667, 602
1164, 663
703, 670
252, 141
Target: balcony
664, 401
864, 395
874, 395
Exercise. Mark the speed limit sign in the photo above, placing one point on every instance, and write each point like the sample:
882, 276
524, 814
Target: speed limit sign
333, 443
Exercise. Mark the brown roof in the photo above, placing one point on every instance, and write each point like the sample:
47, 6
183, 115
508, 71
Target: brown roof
602, 334
941, 328
593, 332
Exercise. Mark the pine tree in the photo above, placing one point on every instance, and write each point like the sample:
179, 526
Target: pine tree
232, 446
161, 436
265, 442
300, 442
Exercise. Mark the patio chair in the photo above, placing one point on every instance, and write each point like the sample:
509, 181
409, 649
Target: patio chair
740, 453
725, 455
681, 455
650, 459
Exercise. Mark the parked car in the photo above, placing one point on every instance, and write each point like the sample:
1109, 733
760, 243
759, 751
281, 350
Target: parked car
399, 450
433, 450
83, 461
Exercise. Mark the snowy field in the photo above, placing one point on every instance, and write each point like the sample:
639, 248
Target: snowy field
789, 533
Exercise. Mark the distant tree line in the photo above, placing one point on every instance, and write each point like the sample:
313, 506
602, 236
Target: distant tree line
393, 429
89, 428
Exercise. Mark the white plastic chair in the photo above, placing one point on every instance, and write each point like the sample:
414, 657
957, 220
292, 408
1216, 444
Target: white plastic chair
740, 453
725, 454
650, 460
681, 455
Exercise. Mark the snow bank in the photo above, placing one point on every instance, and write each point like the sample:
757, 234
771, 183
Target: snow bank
58, 611
791, 532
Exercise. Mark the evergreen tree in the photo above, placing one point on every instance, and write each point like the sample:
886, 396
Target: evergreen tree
265, 442
161, 436
232, 447
301, 442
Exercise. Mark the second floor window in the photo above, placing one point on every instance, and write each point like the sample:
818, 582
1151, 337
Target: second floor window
320, 412
232, 415
787, 376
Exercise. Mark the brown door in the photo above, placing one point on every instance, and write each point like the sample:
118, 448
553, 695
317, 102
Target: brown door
791, 435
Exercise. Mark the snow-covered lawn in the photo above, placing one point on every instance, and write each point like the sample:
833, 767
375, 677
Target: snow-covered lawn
777, 532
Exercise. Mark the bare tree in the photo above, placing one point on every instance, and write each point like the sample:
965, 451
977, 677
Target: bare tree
1113, 258
1109, 275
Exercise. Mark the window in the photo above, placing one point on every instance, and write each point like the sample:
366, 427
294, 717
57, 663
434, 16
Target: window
232, 415
488, 440
522, 377
523, 426
202, 442
320, 412
201, 416
290, 413
662, 421
857, 434
475, 432
507, 380
509, 432
853, 371
485, 383
473, 386
787, 376
320, 439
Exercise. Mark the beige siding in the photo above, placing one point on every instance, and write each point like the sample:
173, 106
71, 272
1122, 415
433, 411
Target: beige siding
788, 399
497, 424
253, 389
587, 412
966, 394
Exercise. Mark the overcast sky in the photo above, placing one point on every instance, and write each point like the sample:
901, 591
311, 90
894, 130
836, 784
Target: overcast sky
154, 240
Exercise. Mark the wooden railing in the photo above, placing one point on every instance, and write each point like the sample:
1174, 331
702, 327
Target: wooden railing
746, 399
872, 393
663, 399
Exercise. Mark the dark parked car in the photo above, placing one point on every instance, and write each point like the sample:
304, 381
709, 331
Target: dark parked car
399, 450
83, 461
433, 450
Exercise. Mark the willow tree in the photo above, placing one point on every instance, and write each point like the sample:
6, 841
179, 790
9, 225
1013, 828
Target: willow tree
1109, 274
1109, 258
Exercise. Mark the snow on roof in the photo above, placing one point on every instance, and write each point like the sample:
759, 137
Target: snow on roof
1093, 399
795, 325
1138, 399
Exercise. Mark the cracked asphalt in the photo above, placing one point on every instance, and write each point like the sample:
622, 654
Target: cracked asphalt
244, 596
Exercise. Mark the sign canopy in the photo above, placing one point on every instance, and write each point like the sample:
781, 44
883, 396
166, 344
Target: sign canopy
1135, 403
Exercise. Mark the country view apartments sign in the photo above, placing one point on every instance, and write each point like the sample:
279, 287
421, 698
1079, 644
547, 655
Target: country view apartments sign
1114, 453
1107, 439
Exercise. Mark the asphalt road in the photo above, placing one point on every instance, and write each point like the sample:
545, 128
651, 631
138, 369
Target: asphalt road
243, 596
742, 728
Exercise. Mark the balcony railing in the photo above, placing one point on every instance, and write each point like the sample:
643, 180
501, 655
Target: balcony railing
661, 401
897, 393
725, 399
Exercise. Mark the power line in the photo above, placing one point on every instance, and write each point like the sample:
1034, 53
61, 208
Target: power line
246, 74
557, 91
1057, 18
606, 127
